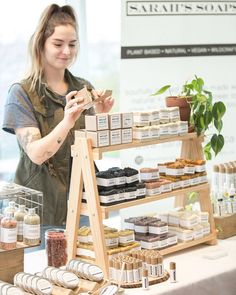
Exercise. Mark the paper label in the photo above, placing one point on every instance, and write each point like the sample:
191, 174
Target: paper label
106, 181
126, 135
126, 239
127, 120
174, 172
31, 231
158, 229
115, 121
153, 191
102, 122
8, 235
149, 175
144, 134
108, 199
103, 138
132, 178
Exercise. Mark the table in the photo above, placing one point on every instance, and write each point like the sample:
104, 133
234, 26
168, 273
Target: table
195, 274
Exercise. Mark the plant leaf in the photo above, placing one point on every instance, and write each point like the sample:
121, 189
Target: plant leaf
217, 143
218, 124
161, 90
208, 118
218, 110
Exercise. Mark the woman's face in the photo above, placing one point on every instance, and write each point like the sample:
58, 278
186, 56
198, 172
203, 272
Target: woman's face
60, 48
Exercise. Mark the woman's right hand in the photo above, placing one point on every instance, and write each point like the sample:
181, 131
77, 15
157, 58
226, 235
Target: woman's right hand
73, 108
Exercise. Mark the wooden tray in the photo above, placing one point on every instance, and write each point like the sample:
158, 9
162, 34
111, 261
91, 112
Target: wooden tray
152, 281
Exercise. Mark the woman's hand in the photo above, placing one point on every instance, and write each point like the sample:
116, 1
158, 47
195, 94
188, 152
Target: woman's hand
105, 105
73, 108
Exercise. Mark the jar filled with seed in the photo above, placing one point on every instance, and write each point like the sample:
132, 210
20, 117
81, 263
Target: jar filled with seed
31, 228
56, 247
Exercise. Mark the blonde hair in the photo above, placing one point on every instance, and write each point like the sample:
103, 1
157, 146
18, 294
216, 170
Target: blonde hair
52, 16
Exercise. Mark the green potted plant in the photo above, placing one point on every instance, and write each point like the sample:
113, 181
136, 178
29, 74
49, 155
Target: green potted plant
204, 113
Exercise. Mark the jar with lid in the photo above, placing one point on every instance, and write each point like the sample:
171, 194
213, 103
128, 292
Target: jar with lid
19, 217
56, 247
8, 232
31, 228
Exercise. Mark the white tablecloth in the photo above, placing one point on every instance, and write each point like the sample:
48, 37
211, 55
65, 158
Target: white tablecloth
196, 275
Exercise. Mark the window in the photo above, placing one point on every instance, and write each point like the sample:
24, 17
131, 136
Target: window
98, 60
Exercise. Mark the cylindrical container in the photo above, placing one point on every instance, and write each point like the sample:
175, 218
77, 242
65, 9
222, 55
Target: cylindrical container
56, 244
19, 217
8, 232
145, 281
31, 228
222, 176
172, 272
215, 177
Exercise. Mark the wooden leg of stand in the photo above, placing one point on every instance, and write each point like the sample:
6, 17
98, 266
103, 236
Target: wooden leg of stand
205, 203
192, 149
93, 204
74, 205
180, 201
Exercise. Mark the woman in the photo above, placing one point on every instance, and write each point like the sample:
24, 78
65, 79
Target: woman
43, 111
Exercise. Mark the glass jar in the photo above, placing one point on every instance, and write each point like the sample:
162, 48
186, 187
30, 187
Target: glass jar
19, 217
8, 232
31, 228
56, 247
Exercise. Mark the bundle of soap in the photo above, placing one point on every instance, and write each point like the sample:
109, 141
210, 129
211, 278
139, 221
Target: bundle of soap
107, 129
187, 225
113, 237
158, 124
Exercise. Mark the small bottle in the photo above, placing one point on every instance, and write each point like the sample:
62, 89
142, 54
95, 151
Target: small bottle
215, 176
231, 204
221, 208
111, 270
8, 232
154, 264
229, 175
31, 228
136, 271
19, 217
160, 266
130, 275
222, 175
56, 244
225, 191
145, 281
172, 272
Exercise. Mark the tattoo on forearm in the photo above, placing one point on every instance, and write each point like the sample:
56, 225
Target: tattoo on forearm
59, 140
27, 138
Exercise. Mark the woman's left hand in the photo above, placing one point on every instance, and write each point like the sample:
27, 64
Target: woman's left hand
105, 105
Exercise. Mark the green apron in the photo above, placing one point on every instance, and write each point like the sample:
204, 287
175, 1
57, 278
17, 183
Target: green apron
52, 178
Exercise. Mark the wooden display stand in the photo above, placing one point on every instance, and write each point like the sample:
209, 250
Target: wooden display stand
83, 172
11, 262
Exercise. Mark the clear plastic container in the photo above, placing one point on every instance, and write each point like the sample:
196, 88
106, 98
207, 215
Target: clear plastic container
56, 247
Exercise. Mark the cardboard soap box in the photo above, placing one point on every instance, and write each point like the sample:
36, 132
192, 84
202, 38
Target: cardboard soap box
226, 226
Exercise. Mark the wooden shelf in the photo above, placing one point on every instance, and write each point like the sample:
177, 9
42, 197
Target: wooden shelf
83, 174
97, 152
107, 209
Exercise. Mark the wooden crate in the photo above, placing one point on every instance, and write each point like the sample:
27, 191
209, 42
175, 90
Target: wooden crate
11, 262
226, 226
